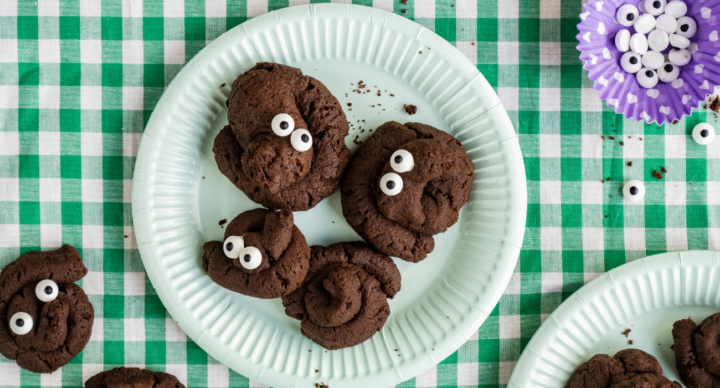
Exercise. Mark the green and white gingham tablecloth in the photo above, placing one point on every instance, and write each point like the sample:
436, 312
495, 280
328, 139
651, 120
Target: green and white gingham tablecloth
79, 79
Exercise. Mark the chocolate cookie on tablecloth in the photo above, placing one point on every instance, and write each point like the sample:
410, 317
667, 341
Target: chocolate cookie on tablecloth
405, 184
285, 145
263, 254
697, 351
343, 300
133, 378
629, 368
45, 319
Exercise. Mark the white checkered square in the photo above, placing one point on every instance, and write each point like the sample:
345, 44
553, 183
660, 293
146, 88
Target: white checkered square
92, 190
9, 235
91, 51
713, 192
591, 101
467, 374
634, 239
550, 192
130, 241
134, 329
10, 372
256, 8
513, 287
94, 283
714, 239
550, 53
48, 97
9, 8
91, 144
634, 148
592, 147
173, 332
91, 97
174, 52
508, 9
9, 189
424, 9
713, 149
593, 239
90, 8
549, 99
51, 379
218, 376
466, 9
675, 193
8, 50
48, 7
98, 330
135, 283
549, 145
303, 2
133, 98
174, 9
50, 190
675, 147
592, 193
551, 238
215, 8
49, 50
132, 8
127, 190
551, 282
506, 369
90, 370
131, 143
508, 53
51, 236
427, 378
93, 236
48, 143
550, 9
8, 99
509, 326
676, 239
510, 98
179, 371
588, 276
132, 52
469, 50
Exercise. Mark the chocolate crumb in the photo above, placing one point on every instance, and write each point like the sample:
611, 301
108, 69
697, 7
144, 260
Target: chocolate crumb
602, 180
403, 1
392, 95
622, 143
404, 11
630, 342
419, 52
222, 86
663, 169
630, 164
126, 236
349, 104
607, 216
316, 371
608, 179
602, 136
675, 122
611, 137
657, 174
410, 109
472, 44
626, 332
222, 222
715, 104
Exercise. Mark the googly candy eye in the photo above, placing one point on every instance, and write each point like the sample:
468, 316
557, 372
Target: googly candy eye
679, 41
631, 62
283, 124
634, 190
668, 72
655, 7
622, 40
653, 59
676, 9
645, 24
250, 258
647, 78
638, 43
666, 24
686, 27
21, 323
626, 15
703, 133
46, 290
232, 246
679, 57
391, 184
301, 140
658, 40
402, 161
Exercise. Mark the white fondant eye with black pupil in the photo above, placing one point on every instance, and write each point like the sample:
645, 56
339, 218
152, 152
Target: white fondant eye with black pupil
250, 257
391, 184
668, 72
21, 323
686, 27
232, 246
402, 161
283, 124
631, 62
626, 15
301, 140
703, 133
634, 190
46, 290
655, 7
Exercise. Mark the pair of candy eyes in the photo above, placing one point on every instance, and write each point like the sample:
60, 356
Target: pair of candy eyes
46, 291
234, 248
400, 161
284, 125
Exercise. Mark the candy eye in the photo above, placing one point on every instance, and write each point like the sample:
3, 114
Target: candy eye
250, 258
283, 124
622, 41
232, 246
391, 184
686, 27
626, 15
653, 59
668, 72
402, 161
639, 43
658, 40
679, 57
666, 24
645, 24
634, 190
631, 62
655, 7
676, 9
647, 78
301, 140
679, 41
704, 133
46, 290
21, 323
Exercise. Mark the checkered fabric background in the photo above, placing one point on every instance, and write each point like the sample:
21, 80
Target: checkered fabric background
79, 79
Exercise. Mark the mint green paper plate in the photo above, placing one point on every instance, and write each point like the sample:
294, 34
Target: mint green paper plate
179, 196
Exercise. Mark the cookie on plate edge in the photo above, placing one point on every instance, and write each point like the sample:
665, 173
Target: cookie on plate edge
629, 368
133, 378
697, 351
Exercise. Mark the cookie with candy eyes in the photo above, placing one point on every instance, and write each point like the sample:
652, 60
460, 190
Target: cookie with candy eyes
284, 146
343, 300
405, 184
133, 378
45, 319
263, 254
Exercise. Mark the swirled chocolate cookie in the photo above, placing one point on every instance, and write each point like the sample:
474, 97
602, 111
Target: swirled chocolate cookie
343, 301
263, 255
133, 378
405, 184
45, 319
697, 351
629, 368
285, 145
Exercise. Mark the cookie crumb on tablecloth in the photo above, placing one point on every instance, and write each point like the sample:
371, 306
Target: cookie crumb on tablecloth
126, 236
675, 122
657, 174
611, 137
629, 163
714, 104
410, 109
663, 169
622, 143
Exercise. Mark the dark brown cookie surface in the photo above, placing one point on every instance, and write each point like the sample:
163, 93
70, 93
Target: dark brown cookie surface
45, 319
432, 192
272, 255
689, 361
629, 368
267, 167
343, 301
133, 378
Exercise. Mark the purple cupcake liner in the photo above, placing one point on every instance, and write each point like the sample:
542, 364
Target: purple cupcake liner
666, 102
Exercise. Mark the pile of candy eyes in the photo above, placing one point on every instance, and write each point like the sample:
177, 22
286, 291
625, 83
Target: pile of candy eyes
662, 25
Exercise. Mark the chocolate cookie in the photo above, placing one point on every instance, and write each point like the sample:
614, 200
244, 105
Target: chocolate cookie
696, 351
45, 319
405, 184
629, 368
285, 145
343, 300
133, 378
263, 255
